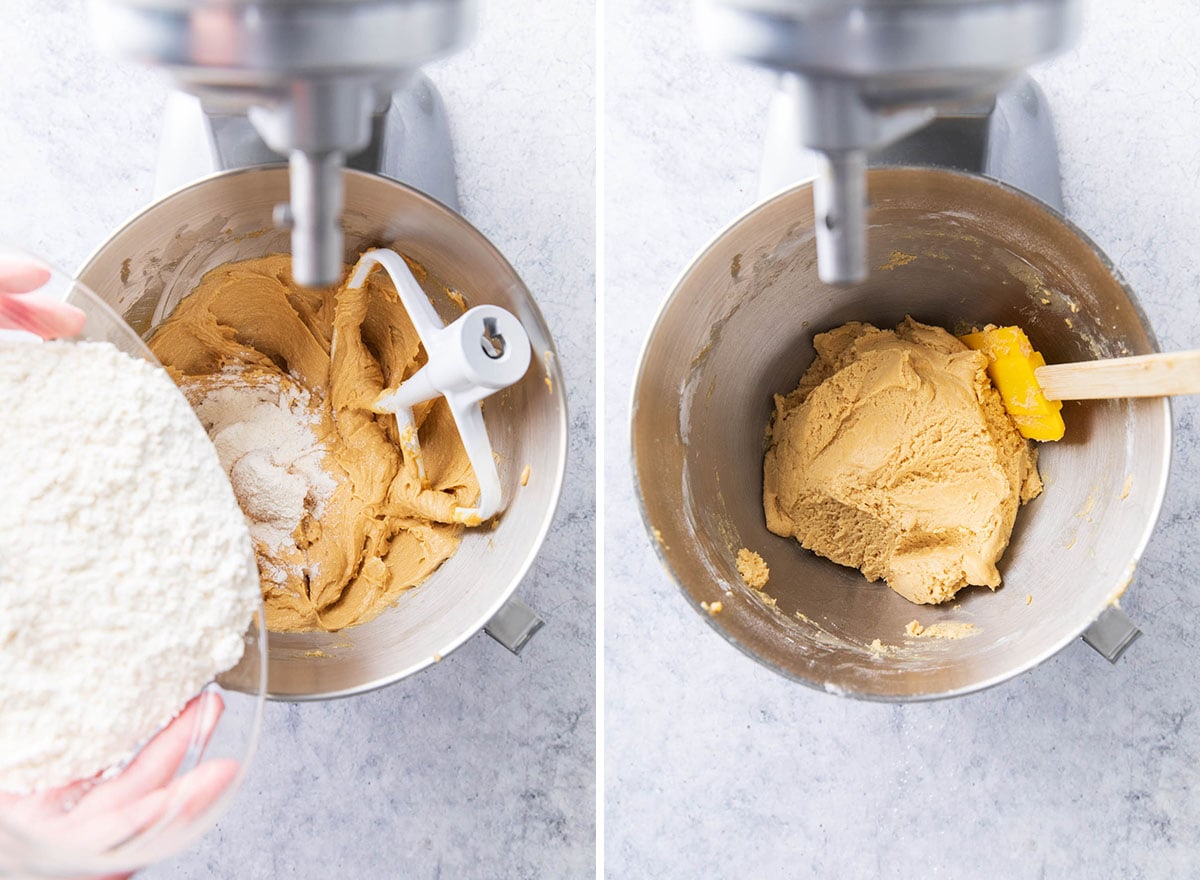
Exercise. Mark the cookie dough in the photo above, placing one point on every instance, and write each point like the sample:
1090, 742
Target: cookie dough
379, 531
895, 455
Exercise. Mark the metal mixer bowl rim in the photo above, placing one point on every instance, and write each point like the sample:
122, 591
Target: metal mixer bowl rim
866, 696
552, 364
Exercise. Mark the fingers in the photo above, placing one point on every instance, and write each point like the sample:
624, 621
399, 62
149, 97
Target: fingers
40, 805
197, 790
146, 792
48, 318
157, 762
20, 276
175, 805
179, 803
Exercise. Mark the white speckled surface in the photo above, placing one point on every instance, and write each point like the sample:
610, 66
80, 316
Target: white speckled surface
482, 766
716, 767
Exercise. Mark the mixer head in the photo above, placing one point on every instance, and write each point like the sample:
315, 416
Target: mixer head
864, 73
309, 73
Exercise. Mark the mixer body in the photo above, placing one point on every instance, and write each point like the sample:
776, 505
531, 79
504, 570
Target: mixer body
858, 75
316, 81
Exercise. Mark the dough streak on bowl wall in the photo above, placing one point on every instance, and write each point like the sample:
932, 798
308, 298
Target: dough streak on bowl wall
284, 378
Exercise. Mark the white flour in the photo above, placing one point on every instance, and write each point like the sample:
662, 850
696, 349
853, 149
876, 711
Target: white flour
126, 574
263, 432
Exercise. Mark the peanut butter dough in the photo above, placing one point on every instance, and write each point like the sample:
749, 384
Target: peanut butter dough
895, 455
380, 531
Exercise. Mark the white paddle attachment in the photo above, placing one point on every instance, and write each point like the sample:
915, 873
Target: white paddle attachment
477, 355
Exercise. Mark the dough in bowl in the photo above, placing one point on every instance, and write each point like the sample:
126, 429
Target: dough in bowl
895, 455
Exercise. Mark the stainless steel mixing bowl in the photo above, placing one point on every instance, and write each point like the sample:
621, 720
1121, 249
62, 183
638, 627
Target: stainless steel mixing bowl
949, 249
158, 257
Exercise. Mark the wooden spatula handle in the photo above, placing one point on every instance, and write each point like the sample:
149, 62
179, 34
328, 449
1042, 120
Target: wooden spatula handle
1150, 375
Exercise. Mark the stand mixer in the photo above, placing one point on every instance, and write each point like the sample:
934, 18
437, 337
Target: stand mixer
895, 82
328, 84
866, 83
320, 82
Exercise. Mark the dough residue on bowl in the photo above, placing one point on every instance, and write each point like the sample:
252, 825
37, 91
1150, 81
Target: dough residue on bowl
752, 568
895, 455
284, 378
944, 629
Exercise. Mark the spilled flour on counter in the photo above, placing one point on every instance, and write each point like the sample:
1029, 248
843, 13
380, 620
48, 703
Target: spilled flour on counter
127, 580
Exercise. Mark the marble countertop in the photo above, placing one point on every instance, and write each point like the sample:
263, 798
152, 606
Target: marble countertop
716, 767
482, 766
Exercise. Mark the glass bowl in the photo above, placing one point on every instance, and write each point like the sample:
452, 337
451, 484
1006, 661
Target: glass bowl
142, 811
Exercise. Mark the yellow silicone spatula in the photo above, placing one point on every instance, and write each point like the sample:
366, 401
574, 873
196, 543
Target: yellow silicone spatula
1033, 391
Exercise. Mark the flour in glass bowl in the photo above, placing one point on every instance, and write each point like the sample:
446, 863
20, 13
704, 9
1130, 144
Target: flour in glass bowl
127, 578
